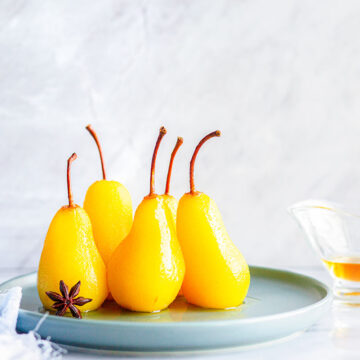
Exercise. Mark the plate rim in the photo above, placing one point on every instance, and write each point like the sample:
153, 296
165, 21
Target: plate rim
258, 319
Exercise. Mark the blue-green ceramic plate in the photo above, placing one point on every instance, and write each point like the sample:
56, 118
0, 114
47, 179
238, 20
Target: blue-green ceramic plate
279, 303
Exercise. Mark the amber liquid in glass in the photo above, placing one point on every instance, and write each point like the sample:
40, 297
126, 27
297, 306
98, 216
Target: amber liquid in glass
344, 267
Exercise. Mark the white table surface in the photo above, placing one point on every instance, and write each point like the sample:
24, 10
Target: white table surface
335, 336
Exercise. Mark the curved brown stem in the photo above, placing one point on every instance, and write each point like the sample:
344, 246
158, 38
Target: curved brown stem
176, 148
162, 132
70, 160
192, 162
94, 135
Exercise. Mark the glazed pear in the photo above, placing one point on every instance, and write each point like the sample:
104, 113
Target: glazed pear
170, 200
108, 204
217, 275
147, 268
70, 254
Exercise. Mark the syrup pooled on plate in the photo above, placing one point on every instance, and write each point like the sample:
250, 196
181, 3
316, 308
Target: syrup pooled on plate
344, 267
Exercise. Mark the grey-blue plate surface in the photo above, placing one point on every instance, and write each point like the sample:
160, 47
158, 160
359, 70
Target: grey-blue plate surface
279, 303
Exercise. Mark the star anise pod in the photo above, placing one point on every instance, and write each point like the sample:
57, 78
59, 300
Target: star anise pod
67, 300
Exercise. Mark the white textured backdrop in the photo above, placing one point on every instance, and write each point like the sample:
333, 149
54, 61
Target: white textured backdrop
281, 79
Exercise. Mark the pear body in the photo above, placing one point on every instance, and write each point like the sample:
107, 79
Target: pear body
217, 275
108, 204
146, 270
70, 254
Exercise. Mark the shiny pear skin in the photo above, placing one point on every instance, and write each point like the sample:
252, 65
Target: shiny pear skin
108, 204
217, 275
70, 254
146, 270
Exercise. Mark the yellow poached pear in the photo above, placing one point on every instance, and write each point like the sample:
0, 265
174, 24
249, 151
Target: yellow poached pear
170, 200
217, 275
108, 204
146, 270
70, 254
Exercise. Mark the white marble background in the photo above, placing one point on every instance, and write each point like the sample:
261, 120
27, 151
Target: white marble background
280, 78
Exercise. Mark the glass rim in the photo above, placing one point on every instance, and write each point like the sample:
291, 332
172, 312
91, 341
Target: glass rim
321, 204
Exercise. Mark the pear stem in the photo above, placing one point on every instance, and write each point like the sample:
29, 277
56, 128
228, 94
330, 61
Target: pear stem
176, 148
70, 160
94, 135
162, 132
192, 162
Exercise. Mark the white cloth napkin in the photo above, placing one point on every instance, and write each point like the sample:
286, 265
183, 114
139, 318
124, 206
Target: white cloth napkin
15, 346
